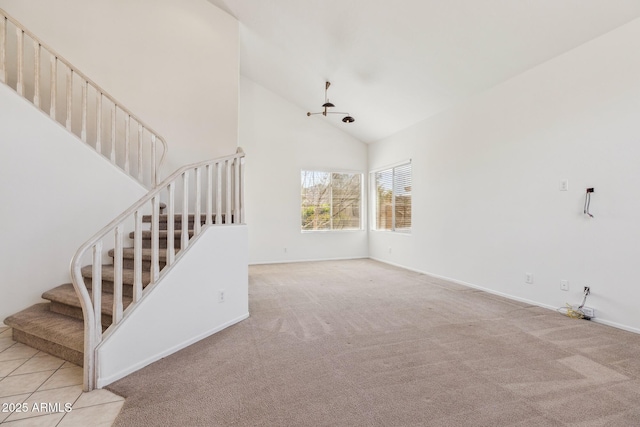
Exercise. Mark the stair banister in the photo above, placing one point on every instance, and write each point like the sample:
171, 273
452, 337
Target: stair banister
120, 153
225, 187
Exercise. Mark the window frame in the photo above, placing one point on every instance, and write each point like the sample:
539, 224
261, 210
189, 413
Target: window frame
374, 198
362, 214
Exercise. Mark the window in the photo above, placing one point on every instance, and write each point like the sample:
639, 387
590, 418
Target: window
330, 200
393, 198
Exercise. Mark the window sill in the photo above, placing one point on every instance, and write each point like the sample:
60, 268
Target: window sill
331, 231
399, 232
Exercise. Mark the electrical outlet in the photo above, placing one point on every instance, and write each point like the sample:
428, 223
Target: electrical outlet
564, 285
564, 185
221, 295
587, 290
528, 278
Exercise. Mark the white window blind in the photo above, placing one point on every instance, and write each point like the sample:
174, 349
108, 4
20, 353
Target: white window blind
393, 198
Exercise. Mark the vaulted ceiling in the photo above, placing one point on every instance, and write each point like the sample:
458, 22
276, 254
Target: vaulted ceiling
394, 63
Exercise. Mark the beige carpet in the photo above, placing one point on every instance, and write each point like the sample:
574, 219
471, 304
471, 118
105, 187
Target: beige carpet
360, 343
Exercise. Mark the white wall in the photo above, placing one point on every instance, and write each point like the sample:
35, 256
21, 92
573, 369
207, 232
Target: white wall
280, 141
56, 192
183, 307
487, 206
174, 63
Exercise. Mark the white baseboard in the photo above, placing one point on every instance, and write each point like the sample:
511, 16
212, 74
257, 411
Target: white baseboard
508, 296
616, 325
101, 382
289, 261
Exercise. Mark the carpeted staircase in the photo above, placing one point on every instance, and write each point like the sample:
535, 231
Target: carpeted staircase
56, 327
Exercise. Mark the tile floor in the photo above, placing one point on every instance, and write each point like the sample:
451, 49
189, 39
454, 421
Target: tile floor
30, 378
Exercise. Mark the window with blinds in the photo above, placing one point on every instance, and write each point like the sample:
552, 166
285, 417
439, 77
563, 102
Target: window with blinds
331, 201
393, 198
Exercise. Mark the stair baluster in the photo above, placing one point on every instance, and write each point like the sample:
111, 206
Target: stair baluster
3, 49
20, 77
171, 253
96, 286
36, 73
117, 276
228, 192
137, 257
209, 194
196, 228
54, 87
185, 211
69, 98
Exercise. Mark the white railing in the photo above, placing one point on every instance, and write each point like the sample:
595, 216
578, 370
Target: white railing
212, 191
79, 104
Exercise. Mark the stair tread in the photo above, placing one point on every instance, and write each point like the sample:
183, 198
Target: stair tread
108, 273
146, 234
128, 253
66, 294
178, 217
39, 321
